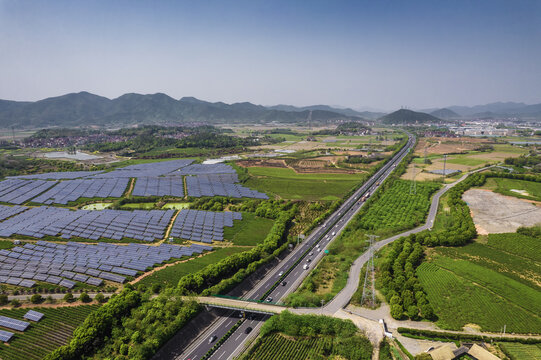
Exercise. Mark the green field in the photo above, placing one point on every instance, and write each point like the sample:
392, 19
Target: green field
176, 206
170, 275
400, 207
249, 231
532, 190
466, 160
277, 346
54, 330
491, 285
517, 351
287, 184
144, 206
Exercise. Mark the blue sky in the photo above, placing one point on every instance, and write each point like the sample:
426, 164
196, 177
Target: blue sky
379, 54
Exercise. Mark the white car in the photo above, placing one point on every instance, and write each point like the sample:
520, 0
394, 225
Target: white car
280, 273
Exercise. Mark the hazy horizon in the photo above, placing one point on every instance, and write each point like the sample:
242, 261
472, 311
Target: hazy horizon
383, 55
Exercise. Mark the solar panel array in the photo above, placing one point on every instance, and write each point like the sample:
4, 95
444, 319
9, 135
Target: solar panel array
159, 186
5, 336
219, 185
204, 226
18, 191
146, 170
57, 175
8, 211
145, 225
65, 264
71, 190
33, 315
205, 169
13, 324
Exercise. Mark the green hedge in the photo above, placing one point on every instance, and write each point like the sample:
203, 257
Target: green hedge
431, 334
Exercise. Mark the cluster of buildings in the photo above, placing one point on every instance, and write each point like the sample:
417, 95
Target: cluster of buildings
68, 141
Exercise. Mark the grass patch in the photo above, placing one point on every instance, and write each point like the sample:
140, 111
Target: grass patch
526, 189
176, 206
287, 184
170, 275
251, 230
97, 206
144, 206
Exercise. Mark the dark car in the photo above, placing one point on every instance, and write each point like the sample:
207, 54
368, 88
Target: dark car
248, 330
284, 283
213, 338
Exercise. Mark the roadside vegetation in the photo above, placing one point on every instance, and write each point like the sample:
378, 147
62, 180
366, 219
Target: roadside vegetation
299, 337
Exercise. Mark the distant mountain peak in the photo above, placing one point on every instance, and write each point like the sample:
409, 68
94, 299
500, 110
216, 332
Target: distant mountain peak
406, 116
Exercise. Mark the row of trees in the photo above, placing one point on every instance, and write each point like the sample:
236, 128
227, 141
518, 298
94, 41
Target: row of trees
399, 282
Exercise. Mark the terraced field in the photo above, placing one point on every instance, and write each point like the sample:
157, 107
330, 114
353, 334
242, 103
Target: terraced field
54, 330
489, 284
518, 351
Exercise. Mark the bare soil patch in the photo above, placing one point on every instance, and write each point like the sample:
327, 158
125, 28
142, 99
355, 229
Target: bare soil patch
447, 145
263, 163
494, 213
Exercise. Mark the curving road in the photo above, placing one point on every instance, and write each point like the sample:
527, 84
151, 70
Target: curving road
290, 272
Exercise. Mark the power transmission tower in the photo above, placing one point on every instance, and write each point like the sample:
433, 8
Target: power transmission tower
413, 184
369, 287
309, 120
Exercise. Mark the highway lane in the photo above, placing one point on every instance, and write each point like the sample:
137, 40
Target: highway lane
290, 269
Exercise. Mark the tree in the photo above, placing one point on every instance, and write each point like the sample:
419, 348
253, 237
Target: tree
69, 297
3, 299
413, 312
427, 311
100, 298
36, 299
15, 303
85, 298
397, 311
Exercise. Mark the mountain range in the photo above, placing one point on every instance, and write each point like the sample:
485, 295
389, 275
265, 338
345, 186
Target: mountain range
86, 109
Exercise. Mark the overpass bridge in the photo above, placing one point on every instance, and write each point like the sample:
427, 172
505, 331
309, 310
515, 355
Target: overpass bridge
239, 305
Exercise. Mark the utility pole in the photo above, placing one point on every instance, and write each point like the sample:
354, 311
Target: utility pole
369, 287
444, 163
413, 184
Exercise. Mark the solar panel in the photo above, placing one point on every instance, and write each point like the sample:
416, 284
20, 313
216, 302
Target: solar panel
5, 336
33, 315
13, 323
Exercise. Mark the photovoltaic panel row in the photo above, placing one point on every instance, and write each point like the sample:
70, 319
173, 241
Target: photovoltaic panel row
65, 264
214, 185
203, 226
18, 191
5, 336
205, 169
111, 224
13, 324
146, 170
57, 175
71, 190
159, 186
33, 315
8, 211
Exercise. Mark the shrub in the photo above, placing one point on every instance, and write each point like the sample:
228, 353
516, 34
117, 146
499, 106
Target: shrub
69, 297
36, 299
84, 297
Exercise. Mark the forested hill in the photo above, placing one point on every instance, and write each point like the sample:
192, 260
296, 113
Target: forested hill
405, 116
84, 109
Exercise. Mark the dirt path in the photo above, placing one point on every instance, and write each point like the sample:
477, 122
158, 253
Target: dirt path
169, 227
135, 281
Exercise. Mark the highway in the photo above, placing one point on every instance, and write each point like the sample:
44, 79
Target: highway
289, 273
